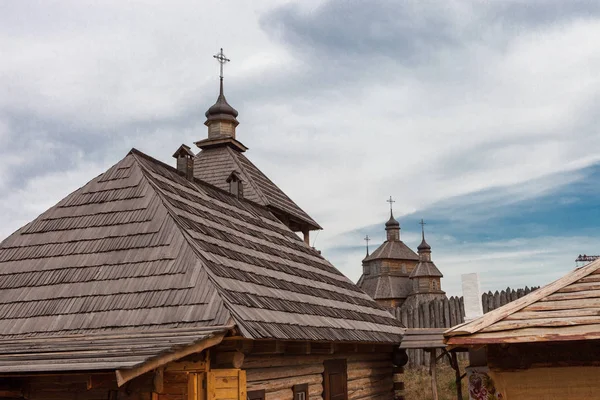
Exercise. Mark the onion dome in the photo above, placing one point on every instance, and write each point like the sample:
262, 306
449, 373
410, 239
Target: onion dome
424, 246
392, 223
221, 110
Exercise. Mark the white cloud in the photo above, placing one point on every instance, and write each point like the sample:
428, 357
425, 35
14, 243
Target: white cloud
484, 107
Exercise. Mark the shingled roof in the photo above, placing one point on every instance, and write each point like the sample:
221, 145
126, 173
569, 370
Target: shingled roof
566, 309
393, 249
142, 249
214, 165
385, 286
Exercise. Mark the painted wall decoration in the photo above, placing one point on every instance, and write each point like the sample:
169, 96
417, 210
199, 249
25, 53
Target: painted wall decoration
481, 385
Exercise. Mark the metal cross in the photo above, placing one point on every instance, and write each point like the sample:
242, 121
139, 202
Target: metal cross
367, 239
422, 223
391, 201
220, 57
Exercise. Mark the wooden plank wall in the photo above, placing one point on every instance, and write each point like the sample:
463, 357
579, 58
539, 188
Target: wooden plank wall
370, 375
448, 313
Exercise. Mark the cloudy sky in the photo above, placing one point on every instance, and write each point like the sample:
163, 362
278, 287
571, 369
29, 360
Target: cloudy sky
480, 117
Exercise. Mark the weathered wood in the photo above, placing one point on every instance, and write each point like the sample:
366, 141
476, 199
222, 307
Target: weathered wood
125, 375
251, 362
186, 366
234, 359
432, 371
358, 373
528, 315
356, 384
384, 386
283, 394
159, 382
497, 315
263, 374
541, 322
279, 384
563, 305
580, 332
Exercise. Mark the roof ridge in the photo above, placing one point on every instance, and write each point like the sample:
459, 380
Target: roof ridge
280, 191
201, 260
501, 313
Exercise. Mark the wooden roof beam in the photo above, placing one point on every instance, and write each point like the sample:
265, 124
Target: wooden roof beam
125, 375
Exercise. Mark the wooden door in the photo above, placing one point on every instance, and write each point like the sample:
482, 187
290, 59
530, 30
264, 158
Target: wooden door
335, 380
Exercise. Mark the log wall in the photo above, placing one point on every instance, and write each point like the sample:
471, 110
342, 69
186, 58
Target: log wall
370, 375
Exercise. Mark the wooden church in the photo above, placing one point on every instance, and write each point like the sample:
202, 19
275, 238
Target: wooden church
395, 276
186, 283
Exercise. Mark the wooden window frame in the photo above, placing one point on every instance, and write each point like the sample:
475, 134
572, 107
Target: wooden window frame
300, 391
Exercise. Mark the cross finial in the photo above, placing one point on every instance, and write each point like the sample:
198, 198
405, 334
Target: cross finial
220, 57
422, 223
391, 201
367, 239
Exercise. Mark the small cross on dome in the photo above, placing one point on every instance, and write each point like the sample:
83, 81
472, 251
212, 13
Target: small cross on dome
220, 57
391, 201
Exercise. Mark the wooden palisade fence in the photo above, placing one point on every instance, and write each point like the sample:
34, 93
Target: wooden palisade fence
448, 313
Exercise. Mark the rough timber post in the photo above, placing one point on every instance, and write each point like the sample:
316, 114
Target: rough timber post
432, 368
306, 234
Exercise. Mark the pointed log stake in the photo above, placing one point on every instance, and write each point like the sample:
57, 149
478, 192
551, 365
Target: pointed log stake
432, 371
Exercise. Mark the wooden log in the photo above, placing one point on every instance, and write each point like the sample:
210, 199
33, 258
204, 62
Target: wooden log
263, 374
358, 373
355, 384
234, 359
159, 382
251, 362
315, 389
484, 302
384, 386
283, 394
503, 299
369, 364
285, 383
452, 307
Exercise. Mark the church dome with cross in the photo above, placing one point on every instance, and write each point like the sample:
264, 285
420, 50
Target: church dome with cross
388, 271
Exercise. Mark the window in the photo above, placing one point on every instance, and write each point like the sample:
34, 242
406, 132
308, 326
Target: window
300, 391
335, 380
236, 186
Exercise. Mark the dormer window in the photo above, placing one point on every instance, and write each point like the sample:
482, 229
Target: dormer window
236, 186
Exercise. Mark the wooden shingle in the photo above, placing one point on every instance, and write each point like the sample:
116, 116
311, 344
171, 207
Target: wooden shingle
141, 249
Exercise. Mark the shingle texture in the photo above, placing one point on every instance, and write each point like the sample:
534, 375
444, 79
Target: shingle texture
425, 269
393, 249
96, 351
214, 165
387, 286
142, 249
